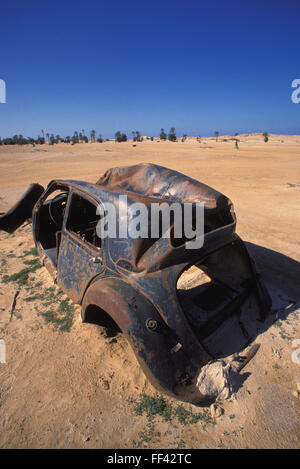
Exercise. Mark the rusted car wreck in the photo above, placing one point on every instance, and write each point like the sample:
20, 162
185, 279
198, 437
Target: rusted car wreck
181, 309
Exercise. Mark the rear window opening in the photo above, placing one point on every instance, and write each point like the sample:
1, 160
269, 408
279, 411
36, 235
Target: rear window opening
218, 301
201, 297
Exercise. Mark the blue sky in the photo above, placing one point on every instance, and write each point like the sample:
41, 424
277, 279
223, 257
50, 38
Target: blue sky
198, 66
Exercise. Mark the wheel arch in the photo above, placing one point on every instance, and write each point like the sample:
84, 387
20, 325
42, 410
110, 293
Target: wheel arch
131, 311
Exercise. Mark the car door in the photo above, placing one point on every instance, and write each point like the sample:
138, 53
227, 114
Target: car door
80, 256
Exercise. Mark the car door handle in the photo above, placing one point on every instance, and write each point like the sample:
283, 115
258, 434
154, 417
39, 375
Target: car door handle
96, 260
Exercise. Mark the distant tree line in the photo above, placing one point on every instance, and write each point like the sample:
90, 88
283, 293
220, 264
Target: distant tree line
20, 140
80, 137
77, 137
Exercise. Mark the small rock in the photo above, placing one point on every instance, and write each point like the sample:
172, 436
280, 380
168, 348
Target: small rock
105, 385
216, 411
297, 392
214, 380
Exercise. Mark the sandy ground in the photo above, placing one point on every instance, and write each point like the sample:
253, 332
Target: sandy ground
80, 388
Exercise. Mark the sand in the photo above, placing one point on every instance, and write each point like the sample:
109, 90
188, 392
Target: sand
71, 389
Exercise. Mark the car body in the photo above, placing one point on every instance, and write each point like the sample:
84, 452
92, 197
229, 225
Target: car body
179, 308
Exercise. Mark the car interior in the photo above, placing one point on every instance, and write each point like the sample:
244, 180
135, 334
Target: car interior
82, 221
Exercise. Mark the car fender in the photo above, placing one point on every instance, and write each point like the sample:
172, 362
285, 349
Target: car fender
155, 345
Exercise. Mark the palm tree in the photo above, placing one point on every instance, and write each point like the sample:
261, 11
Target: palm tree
172, 136
163, 135
93, 135
266, 136
120, 137
216, 135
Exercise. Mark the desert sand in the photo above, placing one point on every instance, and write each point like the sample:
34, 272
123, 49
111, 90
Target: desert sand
80, 388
